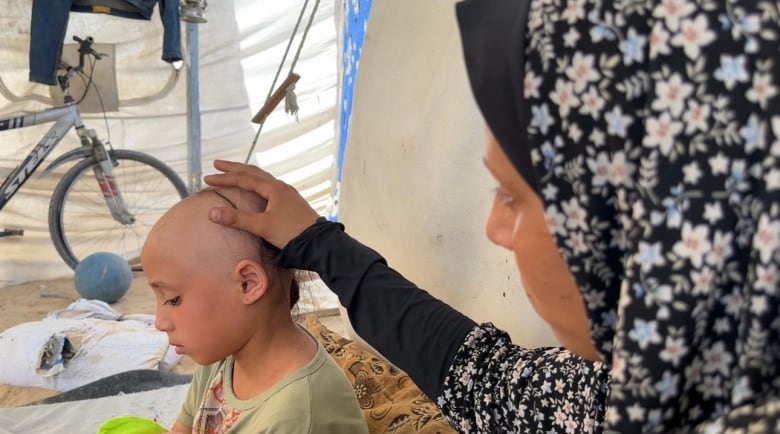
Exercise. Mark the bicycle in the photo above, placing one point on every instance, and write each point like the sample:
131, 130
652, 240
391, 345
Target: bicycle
110, 198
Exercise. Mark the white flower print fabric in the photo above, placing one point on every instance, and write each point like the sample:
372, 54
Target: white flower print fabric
497, 387
653, 129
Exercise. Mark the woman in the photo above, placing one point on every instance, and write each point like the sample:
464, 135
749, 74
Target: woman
646, 136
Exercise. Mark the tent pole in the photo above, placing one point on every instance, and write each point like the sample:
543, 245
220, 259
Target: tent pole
193, 111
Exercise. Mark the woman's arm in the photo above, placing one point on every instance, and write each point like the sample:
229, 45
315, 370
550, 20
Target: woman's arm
475, 371
415, 331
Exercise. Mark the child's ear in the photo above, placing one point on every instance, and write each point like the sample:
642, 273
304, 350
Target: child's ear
252, 280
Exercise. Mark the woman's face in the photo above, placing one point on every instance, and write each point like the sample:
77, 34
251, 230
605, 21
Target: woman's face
517, 223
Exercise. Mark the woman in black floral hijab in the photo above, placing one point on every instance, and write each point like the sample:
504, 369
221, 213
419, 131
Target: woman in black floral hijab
652, 135
643, 138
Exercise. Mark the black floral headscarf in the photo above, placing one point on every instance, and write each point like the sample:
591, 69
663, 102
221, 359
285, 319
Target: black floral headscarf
651, 131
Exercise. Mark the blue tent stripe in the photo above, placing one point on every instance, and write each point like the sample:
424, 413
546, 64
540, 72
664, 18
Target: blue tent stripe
356, 13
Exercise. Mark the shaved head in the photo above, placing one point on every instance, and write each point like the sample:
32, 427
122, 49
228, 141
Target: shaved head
186, 230
215, 287
185, 239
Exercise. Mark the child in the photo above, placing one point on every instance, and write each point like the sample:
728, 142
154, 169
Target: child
222, 302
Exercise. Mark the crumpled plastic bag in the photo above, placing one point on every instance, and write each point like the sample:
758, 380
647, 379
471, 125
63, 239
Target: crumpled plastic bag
53, 355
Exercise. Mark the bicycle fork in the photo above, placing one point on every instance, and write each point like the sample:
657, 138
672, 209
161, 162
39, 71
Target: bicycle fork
104, 174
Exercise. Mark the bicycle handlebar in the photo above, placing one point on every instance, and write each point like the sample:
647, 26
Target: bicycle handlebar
85, 48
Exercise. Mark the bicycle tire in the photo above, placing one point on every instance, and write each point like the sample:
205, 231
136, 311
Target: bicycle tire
80, 222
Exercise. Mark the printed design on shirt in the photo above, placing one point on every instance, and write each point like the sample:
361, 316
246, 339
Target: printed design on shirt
215, 416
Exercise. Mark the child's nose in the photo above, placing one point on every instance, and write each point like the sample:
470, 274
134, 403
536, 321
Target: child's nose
162, 323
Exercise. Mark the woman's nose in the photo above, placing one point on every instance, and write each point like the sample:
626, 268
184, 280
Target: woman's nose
500, 225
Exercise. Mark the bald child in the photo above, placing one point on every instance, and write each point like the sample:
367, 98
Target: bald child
224, 304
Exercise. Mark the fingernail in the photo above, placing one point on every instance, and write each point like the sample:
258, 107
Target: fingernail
215, 215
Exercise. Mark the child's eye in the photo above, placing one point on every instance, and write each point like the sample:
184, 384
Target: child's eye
175, 301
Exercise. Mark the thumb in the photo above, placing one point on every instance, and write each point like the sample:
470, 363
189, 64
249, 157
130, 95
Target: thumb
224, 216
254, 223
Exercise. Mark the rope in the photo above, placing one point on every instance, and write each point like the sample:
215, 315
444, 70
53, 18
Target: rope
305, 32
287, 50
276, 77
291, 100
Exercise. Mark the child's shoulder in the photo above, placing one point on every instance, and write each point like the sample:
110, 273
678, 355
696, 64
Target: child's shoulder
320, 377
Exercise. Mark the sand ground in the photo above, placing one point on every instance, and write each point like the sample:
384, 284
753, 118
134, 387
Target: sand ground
33, 300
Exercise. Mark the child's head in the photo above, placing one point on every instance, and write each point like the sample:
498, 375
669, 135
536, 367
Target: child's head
216, 288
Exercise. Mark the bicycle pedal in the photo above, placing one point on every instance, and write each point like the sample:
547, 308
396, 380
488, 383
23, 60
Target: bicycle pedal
11, 232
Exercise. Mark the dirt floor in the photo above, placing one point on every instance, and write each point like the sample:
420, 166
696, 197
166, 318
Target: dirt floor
32, 301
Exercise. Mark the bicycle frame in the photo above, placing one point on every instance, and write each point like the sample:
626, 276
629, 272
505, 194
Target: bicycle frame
65, 118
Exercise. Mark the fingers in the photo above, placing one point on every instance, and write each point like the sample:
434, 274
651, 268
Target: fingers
227, 167
250, 178
231, 166
286, 215
235, 172
260, 183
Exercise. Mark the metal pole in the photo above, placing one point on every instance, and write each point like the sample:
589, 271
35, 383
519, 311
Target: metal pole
195, 170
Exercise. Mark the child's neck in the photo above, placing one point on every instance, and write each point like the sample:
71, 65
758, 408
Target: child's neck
265, 361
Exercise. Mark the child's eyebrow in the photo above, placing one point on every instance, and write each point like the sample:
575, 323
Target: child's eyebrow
157, 285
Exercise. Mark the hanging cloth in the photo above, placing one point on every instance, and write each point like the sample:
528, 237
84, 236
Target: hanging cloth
50, 21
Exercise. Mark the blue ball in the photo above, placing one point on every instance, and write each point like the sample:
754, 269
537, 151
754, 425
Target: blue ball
103, 276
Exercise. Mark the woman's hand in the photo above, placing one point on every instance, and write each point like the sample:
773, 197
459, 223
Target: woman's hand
285, 217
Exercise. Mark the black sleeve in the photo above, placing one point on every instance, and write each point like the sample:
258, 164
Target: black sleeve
415, 331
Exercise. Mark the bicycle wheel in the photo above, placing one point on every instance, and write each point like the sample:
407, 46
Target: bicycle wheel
80, 221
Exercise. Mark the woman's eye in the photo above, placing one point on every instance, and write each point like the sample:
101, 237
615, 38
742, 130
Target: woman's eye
175, 301
506, 199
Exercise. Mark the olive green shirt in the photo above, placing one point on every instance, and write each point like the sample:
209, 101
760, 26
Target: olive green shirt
316, 398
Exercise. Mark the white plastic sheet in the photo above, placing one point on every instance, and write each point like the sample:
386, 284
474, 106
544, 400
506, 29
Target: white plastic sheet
78, 345
85, 417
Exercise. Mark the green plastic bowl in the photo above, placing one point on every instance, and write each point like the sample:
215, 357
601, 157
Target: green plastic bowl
131, 425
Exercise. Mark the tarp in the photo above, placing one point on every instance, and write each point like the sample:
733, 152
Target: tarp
414, 187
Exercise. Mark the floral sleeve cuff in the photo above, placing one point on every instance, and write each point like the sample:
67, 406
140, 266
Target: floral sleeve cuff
496, 386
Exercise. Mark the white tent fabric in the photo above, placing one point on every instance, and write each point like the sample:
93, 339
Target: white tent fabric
299, 152
414, 185
240, 49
